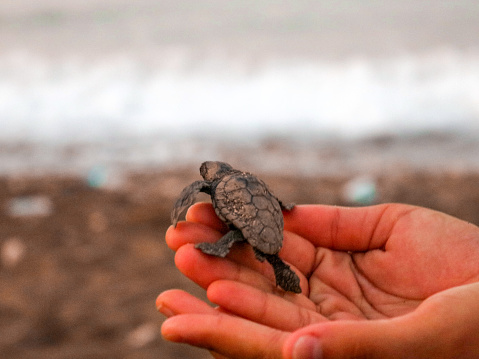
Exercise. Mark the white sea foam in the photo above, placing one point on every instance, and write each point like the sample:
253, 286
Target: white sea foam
118, 96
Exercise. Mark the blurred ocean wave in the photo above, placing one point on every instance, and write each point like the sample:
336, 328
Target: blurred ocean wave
153, 75
117, 97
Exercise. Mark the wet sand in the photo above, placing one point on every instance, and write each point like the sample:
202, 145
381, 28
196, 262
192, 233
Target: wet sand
81, 265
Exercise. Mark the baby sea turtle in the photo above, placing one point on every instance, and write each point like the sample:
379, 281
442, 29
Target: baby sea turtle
250, 210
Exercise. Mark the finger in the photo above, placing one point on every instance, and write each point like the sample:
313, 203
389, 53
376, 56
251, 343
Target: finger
204, 269
218, 356
345, 228
188, 232
173, 302
204, 213
344, 339
287, 312
230, 336
298, 252
438, 329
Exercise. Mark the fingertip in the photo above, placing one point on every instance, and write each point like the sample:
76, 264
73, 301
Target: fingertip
168, 295
220, 289
305, 343
170, 235
212, 291
307, 346
184, 257
198, 211
162, 303
159, 301
171, 330
175, 235
204, 213
188, 232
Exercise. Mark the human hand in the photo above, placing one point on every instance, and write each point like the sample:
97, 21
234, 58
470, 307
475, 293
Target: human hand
382, 281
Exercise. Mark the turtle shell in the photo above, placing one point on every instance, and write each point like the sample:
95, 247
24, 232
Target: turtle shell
243, 201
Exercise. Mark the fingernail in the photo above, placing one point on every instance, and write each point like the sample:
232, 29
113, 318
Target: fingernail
307, 347
167, 312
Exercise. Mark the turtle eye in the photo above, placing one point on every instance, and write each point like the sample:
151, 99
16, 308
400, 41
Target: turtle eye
204, 170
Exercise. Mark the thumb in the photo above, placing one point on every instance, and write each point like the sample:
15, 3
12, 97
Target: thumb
388, 338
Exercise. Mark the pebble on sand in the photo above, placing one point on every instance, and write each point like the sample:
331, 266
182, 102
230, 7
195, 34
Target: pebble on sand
12, 252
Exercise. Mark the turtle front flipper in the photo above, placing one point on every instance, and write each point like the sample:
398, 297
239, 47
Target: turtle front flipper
221, 247
187, 198
285, 277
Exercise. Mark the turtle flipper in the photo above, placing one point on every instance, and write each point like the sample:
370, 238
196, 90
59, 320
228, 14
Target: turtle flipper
187, 198
287, 206
221, 247
285, 277
259, 255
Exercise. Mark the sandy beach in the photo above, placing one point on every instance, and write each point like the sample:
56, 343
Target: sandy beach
82, 265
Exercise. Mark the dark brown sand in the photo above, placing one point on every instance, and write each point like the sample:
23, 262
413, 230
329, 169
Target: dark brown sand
79, 277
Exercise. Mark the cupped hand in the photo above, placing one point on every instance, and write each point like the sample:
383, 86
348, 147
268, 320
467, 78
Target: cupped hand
376, 281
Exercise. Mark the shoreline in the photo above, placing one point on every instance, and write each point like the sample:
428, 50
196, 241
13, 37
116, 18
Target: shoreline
303, 155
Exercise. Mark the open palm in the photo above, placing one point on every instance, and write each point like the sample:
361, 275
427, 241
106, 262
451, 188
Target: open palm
355, 264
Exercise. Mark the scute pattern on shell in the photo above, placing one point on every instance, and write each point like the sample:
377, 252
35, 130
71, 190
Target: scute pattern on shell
244, 201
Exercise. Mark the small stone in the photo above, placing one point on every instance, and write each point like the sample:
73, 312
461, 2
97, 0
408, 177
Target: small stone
142, 335
97, 177
30, 206
12, 252
360, 190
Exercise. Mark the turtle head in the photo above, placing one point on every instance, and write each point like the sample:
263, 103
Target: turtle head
213, 170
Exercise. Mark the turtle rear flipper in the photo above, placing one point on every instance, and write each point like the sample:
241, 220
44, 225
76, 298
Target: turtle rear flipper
286, 206
221, 247
285, 277
259, 255
187, 198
